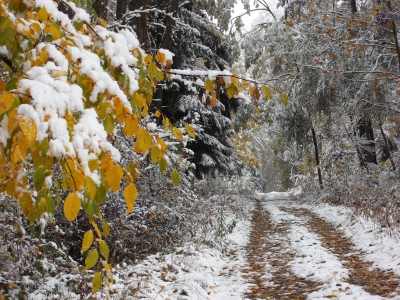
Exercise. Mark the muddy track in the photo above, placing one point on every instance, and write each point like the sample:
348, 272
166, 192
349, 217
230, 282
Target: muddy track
374, 281
269, 244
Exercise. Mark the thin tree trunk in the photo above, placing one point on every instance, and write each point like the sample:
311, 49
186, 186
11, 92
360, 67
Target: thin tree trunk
101, 8
317, 157
353, 6
121, 8
387, 147
365, 130
140, 24
165, 42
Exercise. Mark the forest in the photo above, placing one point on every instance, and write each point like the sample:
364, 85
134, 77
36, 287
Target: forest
148, 148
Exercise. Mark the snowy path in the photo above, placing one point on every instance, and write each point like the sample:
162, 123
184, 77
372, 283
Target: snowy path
283, 250
293, 253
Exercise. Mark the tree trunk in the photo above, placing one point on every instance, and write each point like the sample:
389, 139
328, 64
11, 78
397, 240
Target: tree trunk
121, 8
389, 155
317, 157
101, 8
140, 24
353, 6
165, 42
365, 131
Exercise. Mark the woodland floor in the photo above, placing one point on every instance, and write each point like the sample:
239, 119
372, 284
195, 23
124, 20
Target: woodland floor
279, 249
326, 263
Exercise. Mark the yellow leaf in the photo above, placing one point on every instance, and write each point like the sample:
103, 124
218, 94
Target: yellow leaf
58, 73
42, 14
106, 163
244, 84
28, 208
177, 133
175, 177
90, 187
139, 100
267, 92
29, 129
96, 228
91, 259
155, 154
6, 101
36, 27
93, 165
285, 99
209, 85
231, 90
162, 144
143, 141
104, 249
235, 80
17, 155
190, 130
96, 282
120, 110
88, 239
78, 179
131, 125
130, 194
72, 206
43, 56
114, 177
55, 33
160, 58
157, 114
108, 269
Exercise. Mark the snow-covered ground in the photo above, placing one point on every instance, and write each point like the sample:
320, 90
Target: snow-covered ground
317, 263
205, 272
189, 273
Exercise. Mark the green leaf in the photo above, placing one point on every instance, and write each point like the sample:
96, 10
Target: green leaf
12, 84
106, 228
101, 194
109, 123
7, 36
42, 193
91, 259
51, 207
104, 249
267, 92
96, 282
39, 176
163, 165
4, 23
176, 179
44, 146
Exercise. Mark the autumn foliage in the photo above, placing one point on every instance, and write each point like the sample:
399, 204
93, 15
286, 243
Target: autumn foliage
71, 87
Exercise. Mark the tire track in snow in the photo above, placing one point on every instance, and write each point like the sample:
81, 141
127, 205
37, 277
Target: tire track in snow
374, 281
269, 247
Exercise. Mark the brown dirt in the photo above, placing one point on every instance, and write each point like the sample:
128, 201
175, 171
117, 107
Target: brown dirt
269, 241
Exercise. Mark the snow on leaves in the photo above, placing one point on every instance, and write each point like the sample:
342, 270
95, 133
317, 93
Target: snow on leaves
71, 87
